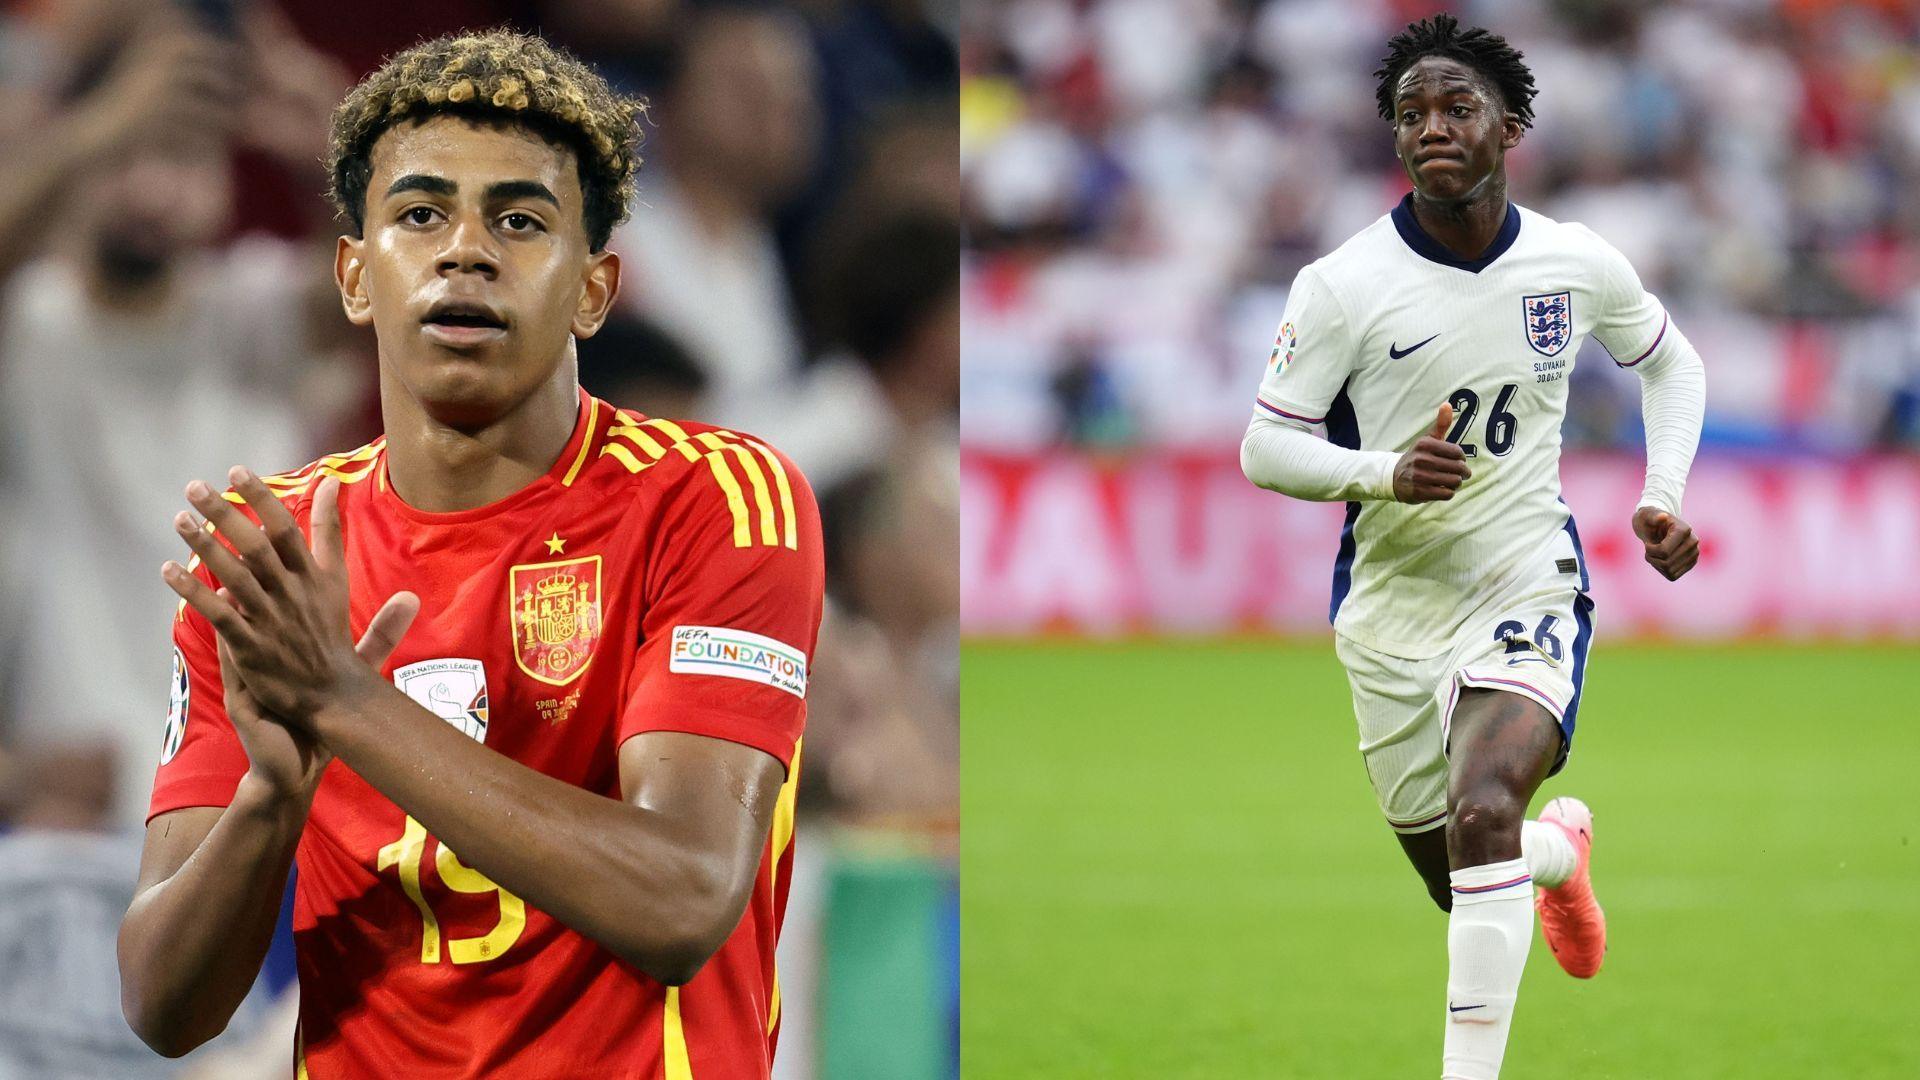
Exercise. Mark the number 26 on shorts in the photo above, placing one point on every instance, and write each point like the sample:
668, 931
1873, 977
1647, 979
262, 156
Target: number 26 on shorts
1543, 637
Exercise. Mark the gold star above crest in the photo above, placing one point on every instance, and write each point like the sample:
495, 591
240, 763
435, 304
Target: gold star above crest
555, 545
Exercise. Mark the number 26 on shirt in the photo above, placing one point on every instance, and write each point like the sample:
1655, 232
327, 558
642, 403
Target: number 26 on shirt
1502, 426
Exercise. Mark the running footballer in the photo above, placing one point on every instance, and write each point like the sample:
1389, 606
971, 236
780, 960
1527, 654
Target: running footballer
518, 688
1434, 349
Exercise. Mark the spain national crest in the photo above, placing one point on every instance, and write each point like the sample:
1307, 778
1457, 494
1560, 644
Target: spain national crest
1549, 321
556, 616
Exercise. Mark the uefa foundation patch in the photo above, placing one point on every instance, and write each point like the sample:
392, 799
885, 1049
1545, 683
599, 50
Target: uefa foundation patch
737, 654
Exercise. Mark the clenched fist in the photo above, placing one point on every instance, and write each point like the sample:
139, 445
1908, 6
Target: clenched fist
1671, 546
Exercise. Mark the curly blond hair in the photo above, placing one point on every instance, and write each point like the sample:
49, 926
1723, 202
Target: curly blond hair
495, 76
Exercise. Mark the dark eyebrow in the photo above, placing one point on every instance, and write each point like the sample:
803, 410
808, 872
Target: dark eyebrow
504, 191
432, 185
509, 190
1450, 88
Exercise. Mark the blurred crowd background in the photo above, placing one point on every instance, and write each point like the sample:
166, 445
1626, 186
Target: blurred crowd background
167, 310
1143, 178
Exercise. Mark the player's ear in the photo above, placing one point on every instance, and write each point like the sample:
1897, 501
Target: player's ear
349, 273
1510, 131
600, 285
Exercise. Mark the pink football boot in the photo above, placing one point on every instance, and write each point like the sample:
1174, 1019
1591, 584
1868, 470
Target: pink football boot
1571, 918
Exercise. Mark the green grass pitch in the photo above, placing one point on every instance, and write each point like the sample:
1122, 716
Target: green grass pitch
1172, 867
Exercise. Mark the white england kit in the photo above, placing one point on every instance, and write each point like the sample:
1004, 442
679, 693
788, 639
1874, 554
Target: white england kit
1487, 589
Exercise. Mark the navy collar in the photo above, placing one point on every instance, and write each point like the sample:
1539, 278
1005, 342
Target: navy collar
1434, 251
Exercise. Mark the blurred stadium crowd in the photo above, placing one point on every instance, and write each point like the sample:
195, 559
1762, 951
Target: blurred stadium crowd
167, 310
1143, 178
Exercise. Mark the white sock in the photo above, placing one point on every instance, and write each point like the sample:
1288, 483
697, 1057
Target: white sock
1549, 853
1488, 935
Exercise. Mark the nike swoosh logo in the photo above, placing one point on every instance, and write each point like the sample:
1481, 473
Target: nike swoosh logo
1398, 353
1452, 1008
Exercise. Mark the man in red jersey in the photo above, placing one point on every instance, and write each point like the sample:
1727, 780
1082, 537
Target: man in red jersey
599, 706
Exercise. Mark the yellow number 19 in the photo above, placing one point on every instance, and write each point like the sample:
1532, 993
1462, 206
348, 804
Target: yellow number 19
406, 853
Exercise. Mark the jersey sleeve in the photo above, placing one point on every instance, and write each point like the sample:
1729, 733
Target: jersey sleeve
733, 596
1313, 354
201, 759
1631, 322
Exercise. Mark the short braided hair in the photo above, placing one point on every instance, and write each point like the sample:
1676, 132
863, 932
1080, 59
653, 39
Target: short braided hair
1487, 53
495, 76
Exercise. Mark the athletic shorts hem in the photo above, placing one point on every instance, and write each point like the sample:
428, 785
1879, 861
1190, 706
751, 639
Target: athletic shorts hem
1422, 825
1540, 697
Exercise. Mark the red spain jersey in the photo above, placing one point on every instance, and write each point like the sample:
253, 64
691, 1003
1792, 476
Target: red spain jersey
661, 577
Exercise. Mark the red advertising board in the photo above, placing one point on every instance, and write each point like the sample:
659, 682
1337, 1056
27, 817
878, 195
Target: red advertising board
1182, 543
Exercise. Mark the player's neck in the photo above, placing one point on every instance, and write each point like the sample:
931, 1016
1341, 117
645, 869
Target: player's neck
1467, 226
439, 468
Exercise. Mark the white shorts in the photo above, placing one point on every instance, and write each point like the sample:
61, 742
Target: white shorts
1532, 642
